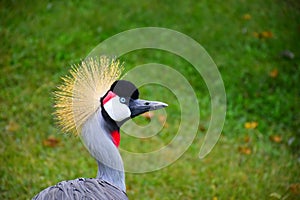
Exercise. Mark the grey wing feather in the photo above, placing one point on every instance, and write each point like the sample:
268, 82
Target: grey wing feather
82, 188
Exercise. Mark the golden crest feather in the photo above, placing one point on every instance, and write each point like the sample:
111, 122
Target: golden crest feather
79, 95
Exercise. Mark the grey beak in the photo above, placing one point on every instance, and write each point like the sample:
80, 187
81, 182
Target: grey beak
139, 106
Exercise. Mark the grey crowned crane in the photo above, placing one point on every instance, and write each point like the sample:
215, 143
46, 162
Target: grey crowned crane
93, 104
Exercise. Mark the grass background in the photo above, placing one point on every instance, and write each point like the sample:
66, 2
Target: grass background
40, 39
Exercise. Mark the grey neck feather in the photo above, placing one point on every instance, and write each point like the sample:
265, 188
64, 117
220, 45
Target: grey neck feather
97, 139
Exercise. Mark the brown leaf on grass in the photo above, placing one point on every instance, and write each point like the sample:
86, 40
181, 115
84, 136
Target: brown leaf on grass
246, 16
250, 125
51, 142
12, 126
273, 73
266, 34
263, 34
245, 150
162, 120
201, 128
148, 115
275, 138
295, 188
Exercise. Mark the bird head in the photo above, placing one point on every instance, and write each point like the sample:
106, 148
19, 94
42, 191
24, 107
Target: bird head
122, 102
92, 85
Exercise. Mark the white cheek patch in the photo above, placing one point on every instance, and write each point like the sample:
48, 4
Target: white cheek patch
116, 110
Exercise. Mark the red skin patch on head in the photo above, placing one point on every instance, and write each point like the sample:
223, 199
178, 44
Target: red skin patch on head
116, 138
108, 97
114, 134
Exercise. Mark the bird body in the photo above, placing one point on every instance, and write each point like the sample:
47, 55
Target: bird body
82, 188
94, 105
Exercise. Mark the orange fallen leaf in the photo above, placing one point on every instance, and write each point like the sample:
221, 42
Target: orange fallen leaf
162, 120
245, 150
250, 125
51, 142
276, 138
263, 34
274, 73
247, 125
246, 16
148, 115
295, 188
266, 34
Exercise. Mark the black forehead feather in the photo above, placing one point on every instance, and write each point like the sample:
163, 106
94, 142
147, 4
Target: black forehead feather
125, 89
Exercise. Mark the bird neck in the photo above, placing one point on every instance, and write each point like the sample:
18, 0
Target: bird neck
97, 137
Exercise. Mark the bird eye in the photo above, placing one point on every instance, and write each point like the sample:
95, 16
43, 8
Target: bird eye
122, 100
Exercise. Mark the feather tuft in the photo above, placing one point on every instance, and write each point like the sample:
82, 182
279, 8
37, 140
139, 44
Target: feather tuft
78, 97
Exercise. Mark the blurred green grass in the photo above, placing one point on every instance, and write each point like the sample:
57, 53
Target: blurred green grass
40, 39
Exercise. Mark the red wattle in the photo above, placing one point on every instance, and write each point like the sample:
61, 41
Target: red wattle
116, 138
108, 97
